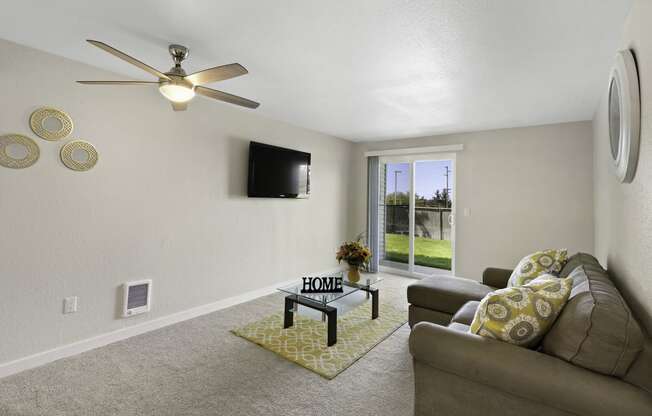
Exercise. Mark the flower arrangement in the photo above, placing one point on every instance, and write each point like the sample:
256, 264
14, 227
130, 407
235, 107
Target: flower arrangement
354, 253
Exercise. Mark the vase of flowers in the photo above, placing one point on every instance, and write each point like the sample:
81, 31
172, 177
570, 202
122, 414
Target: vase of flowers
353, 274
356, 255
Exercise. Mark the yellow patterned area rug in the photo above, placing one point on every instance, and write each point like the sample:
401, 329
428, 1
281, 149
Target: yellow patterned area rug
305, 342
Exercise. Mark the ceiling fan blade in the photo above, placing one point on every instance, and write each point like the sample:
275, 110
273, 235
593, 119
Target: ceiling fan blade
219, 73
128, 58
226, 97
118, 82
179, 106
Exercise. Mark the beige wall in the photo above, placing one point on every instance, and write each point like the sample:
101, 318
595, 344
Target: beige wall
167, 201
526, 189
623, 212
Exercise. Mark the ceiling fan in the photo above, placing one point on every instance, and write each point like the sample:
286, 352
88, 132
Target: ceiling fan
175, 85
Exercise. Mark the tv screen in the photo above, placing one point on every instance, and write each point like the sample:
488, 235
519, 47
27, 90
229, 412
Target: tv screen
276, 172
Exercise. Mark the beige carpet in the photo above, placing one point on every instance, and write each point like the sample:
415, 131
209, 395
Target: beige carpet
198, 367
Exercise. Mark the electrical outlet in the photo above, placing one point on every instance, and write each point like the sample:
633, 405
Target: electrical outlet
467, 212
70, 304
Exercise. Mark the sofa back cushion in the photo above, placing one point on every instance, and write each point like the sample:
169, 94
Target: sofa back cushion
596, 329
578, 259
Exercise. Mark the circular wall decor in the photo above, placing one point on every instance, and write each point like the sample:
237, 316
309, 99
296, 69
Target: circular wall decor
624, 116
18, 151
79, 155
50, 123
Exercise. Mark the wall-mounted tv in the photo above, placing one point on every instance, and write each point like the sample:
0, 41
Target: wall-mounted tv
277, 172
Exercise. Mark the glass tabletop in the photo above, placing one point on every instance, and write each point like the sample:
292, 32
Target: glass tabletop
366, 281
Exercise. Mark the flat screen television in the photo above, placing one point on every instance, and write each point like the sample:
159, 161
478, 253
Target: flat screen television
277, 172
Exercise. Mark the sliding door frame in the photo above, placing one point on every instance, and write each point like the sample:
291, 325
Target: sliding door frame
412, 159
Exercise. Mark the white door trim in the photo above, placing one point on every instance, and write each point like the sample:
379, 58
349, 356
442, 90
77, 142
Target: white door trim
416, 150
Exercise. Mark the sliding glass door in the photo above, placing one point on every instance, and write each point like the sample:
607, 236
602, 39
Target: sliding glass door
394, 213
415, 214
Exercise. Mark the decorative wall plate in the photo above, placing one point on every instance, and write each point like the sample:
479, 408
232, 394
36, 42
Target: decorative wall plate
25, 154
50, 123
79, 155
624, 116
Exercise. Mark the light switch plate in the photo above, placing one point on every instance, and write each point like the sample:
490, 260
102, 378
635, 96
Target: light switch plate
70, 304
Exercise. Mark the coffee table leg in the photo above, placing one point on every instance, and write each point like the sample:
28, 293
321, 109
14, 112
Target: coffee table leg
374, 303
332, 327
288, 316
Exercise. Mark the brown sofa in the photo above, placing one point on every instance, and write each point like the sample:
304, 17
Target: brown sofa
594, 361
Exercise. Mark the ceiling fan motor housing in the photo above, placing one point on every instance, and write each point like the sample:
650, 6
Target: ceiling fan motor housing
179, 53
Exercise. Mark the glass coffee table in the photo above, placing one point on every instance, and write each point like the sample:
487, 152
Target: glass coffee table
323, 302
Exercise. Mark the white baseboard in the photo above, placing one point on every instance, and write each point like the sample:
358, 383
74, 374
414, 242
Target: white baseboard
41, 358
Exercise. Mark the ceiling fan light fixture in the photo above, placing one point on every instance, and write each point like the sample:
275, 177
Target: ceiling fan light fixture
175, 85
177, 93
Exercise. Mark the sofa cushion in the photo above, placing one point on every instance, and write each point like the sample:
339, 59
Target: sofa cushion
640, 373
522, 315
596, 329
579, 259
458, 327
536, 264
466, 313
418, 314
444, 293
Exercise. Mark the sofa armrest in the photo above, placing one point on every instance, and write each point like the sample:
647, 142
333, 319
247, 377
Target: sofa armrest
495, 277
525, 373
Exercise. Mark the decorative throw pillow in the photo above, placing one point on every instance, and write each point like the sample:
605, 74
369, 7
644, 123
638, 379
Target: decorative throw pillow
534, 265
522, 315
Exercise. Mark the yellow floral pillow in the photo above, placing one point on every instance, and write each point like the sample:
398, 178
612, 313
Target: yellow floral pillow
522, 315
536, 264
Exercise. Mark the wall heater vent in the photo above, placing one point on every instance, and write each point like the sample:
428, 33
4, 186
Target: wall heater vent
137, 297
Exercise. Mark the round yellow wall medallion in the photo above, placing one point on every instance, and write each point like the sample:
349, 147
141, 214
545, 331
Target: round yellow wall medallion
18, 151
50, 123
79, 155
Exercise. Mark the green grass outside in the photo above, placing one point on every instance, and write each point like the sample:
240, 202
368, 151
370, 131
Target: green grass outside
427, 252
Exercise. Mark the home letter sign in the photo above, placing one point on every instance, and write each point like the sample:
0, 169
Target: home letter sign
321, 285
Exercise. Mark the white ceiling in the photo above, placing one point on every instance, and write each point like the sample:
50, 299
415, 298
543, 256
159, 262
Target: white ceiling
359, 69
